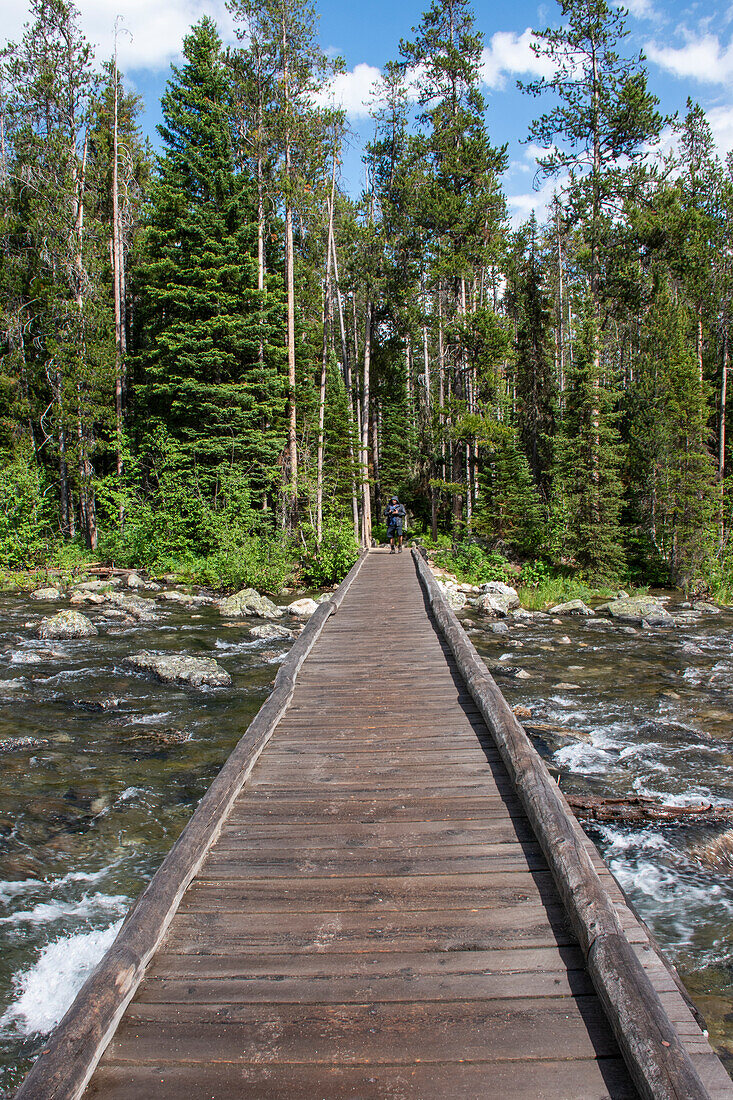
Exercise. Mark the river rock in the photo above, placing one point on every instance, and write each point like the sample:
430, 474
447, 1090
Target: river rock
46, 594
96, 586
564, 640
19, 744
572, 607
80, 596
186, 599
250, 602
173, 668
134, 580
67, 624
499, 628
143, 611
271, 631
639, 609
302, 608
522, 615
502, 592
705, 607
455, 599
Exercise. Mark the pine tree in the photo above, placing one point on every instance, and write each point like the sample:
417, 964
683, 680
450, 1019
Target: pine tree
672, 470
204, 382
588, 489
535, 381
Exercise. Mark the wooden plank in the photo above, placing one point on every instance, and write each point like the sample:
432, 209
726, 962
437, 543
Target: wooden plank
315, 894
586, 1079
526, 1028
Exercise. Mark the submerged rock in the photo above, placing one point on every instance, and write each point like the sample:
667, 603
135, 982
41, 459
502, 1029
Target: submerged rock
303, 609
20, 744
172, 668
271, 631
67, 624
572, 607
46, 594
499, 628
250, 602
639, 609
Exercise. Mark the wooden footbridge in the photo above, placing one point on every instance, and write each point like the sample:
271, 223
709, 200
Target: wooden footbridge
382, 894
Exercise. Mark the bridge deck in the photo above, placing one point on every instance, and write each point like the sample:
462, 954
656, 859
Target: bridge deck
376, 918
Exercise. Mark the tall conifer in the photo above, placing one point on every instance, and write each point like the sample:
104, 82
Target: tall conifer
203, 378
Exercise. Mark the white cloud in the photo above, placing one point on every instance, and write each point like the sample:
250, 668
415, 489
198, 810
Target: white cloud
156, 27
539, 201
353, 91
642, 9
510, 53
703, 59
721, 123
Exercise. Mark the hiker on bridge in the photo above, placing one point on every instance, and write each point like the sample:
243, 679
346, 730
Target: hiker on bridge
395, 514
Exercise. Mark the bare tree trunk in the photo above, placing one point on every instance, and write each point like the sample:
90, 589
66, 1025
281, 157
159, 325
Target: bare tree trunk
349, 391
290, 290
366, 508
721, 447
117, 266
324, 364
87, 502
375, 460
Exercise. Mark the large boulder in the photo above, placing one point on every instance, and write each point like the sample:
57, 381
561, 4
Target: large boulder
173, 668
503, 592
272, 632
250, 602
46, 594
497, 599
639, 609
67, 624
572, 607
134, 580
302, 609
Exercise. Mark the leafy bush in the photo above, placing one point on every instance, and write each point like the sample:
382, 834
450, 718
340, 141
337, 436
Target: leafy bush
332, 560
471, 563
26, 534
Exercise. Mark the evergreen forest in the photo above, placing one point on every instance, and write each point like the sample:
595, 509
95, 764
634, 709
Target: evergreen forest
216, 360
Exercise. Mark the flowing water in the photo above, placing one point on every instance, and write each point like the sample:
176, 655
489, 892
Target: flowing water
101, 767
644, 712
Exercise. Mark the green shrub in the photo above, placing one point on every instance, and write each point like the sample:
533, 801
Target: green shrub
26, 534
330, 563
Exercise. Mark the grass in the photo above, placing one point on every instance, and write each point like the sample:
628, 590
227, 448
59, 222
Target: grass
559, 589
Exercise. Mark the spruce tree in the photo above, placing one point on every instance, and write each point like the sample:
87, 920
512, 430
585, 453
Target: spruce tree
205, 382
672, 472
588, 489
535, 381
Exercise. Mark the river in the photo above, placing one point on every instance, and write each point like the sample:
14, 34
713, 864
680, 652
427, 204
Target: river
101, 768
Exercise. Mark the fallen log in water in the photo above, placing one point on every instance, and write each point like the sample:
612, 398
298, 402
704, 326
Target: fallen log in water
642, 811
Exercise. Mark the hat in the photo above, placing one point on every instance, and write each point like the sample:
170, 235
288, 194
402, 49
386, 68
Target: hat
393, 499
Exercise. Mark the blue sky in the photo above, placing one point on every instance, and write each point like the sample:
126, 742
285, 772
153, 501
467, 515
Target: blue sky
689, 48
